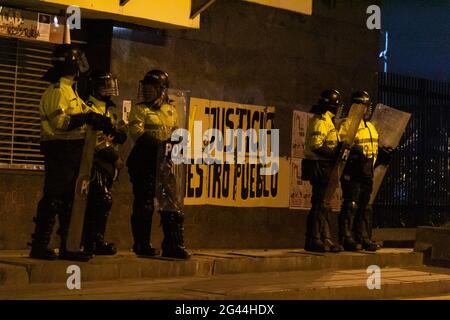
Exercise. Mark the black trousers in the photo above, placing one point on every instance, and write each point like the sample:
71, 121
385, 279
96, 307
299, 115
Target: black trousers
99, 203
62, 163
318, 226
142, 170
358, 189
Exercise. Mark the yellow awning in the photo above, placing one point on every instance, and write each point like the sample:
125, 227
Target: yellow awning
301, 6
151, 13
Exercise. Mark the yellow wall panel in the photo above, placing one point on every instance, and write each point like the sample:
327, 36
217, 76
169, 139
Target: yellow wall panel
171, 12
302, 6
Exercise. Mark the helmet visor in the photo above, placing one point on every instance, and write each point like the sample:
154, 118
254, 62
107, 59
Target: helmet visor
148, 92
107, 87
83, 64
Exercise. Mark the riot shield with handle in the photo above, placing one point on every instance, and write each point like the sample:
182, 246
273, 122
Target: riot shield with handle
355, 116
390, 124
75, 231
170, 175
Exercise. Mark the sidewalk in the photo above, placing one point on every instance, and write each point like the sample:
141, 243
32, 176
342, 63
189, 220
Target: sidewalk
226, 274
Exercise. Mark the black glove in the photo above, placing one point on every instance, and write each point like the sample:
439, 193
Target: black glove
385, 155
120, 136
76, 121
357, 150
99, 122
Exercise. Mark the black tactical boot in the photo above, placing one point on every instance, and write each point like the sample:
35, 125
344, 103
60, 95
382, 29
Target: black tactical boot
79, 256
349, 244
103, 248
64, 254
173, 243
141, 227
145, 250
331, 247
363, 228
346, 217
314, 245
325, 231
45, 221
369, 245
313, 240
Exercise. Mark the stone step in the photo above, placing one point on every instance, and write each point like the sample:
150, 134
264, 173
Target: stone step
396, 283
13, 276
126, 265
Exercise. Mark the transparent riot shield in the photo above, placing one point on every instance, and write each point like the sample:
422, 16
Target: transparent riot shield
390, 124
170, 175
355, 115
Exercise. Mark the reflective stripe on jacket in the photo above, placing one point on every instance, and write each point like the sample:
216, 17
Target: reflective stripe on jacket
321, 132
58, 102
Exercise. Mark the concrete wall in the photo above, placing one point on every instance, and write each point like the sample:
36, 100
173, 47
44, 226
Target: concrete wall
243, 53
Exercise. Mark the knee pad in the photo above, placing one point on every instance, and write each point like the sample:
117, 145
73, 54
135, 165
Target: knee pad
105, 201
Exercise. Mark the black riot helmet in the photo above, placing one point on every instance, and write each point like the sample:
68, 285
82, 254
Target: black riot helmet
362, 97
154, 86
330, 100
104, 85
69, 59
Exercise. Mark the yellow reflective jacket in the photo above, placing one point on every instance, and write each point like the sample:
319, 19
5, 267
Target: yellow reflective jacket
159, 123
58, 102
98, 106
366, 138
321, 132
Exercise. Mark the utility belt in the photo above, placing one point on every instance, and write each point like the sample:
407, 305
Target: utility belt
359, 167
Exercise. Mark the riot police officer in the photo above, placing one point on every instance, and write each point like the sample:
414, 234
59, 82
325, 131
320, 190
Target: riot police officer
151, 125
63, 119
106, 164
321, 148
357, 180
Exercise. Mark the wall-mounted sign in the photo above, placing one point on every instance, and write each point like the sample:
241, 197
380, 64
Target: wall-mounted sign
24, 24
301, 191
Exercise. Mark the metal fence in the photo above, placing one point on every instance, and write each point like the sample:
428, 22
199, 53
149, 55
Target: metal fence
22, 65
416, 190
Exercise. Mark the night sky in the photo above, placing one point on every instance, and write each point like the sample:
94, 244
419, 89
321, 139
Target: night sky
419, 34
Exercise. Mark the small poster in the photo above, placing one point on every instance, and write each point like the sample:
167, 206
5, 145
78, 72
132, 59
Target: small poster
43, 27
126, 109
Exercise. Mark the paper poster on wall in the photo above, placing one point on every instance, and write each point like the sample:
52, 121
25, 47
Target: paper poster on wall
126, 109
238, 184
43, 27
299, 126
301, 191
23, 24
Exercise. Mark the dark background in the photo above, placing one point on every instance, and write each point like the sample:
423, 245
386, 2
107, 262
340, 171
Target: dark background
419, 37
